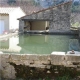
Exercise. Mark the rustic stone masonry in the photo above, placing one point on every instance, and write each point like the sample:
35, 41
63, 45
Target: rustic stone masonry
58, 17
79, 32
14, 65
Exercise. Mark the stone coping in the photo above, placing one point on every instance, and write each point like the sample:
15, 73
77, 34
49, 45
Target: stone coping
76, 53
7, 35
40, 32
70, 32
56, 58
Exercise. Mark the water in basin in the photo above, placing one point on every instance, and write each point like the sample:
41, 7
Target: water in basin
39, 44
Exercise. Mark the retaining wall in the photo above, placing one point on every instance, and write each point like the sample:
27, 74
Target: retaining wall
8, 62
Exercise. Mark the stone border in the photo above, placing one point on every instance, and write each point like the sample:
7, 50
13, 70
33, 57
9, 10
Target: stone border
7, 35
39, 61
52, 32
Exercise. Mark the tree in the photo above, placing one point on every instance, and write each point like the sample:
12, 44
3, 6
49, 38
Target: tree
11, 1
59, 1
76, 3
36, 2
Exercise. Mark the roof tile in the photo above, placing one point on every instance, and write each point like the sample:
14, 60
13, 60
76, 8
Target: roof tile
7, 10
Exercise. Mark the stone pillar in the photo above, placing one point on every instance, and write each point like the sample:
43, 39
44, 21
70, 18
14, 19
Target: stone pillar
21, 26
79, 32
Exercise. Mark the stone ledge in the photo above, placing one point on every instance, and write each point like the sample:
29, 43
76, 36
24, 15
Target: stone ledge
52, 59
37, 61
7, 35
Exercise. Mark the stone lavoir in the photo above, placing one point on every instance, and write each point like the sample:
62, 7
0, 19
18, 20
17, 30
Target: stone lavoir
27, 66
57, 18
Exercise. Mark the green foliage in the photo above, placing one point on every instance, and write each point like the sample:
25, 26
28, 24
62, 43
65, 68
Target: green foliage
47, 78
78, 73
36, 4
75, 8
66, 77
75, 25
76, 3
11, 1
40, 79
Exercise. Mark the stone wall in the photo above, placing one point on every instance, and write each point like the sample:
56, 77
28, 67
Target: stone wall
61, 18
21, 26
10, 64
58, 17
6, 70
79, 32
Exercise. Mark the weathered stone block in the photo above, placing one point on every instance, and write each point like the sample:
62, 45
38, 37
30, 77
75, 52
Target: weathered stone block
73, 58
57, 59
44, 58
31, 57
6, 56
42, 62
8, 72
15, 57
33, 16
38, 66
39, 15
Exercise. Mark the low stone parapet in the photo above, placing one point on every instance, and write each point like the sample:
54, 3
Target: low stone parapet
9, 62
7, 35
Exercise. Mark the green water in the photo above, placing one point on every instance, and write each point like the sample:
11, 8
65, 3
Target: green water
39, 44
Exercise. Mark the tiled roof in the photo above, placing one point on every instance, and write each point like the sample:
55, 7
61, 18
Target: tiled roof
7, 10
47, 9
28, 8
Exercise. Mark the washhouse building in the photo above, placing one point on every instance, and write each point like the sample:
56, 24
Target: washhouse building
55, 18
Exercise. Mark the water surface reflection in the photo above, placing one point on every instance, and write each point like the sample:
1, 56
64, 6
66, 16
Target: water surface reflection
39, 44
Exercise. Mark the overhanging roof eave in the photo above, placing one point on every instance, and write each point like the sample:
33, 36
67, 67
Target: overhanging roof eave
36, 19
